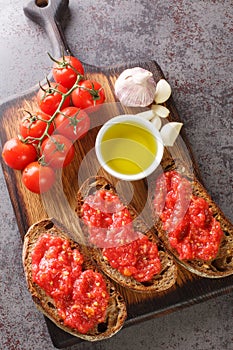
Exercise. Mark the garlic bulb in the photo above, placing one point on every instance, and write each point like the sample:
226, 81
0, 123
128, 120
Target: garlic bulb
162, 92
135, 87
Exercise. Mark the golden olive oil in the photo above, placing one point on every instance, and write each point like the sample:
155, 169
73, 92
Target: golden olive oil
128, 148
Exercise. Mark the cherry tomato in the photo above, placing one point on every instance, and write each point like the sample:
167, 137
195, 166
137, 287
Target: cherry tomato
89, 94
58, 151
17, 154
38, 178
66, 70
34, 125
48, 100
72, 122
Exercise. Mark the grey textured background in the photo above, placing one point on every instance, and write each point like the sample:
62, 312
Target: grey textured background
192, 42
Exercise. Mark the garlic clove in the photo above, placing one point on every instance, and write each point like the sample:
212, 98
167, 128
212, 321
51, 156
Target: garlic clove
157, 122
170, 132
162, 91
161, 111
148, 115
135, 87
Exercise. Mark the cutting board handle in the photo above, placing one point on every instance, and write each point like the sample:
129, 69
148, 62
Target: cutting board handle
48, 14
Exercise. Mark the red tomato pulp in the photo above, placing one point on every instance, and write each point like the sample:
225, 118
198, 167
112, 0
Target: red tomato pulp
110, 227
81, 297
188, 220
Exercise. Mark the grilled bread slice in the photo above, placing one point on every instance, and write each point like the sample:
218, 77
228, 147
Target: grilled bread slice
116, 311
160, 282
222, 264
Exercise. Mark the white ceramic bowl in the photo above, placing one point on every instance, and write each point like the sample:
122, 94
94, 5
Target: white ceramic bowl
141, 123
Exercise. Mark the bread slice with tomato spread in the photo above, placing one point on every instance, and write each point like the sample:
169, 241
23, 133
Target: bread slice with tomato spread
116, 308
160, 281
221, 264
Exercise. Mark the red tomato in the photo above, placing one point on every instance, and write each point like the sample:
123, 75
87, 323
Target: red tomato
34, 125
38, 178
48, 99
66, 70
17, 154
89, 93
72, 122
58, 151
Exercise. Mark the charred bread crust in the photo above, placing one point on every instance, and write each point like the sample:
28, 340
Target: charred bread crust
160, 282
222, 264
116, 312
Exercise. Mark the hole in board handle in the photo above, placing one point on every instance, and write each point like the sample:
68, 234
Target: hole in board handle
41, 3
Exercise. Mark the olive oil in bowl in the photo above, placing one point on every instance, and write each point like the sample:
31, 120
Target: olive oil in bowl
129, 147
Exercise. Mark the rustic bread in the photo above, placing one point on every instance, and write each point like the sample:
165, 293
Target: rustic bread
222, 264
116, 312
160, 282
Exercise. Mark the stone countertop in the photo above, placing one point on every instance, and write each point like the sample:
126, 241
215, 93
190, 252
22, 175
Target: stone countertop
192, 42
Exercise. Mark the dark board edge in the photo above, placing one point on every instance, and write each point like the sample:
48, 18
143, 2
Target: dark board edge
61, 340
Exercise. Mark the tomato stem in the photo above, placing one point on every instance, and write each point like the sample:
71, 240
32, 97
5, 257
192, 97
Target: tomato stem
38, 140
64, 63
94, 92
59, 146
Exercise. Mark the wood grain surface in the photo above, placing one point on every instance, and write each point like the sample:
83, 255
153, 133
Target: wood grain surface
59, 202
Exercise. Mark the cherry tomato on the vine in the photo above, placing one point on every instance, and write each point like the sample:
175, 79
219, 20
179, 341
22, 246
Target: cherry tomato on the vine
72, 122
50, 96
66, 70
58, 151
17, 155
89, 93
33, 125
38, 178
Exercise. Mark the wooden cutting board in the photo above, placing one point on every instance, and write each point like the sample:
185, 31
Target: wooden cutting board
60, 201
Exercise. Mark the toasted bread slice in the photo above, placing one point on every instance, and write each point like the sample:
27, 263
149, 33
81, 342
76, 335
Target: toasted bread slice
160, 282
116, 312
222, 264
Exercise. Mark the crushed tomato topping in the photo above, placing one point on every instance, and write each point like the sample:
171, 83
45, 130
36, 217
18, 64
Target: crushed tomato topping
188, 220
110, 227
81, 297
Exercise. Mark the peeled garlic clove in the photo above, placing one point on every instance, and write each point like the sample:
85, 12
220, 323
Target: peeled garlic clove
157, 122
148, 115
161, 111
162, 92
170, 132
135, 87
